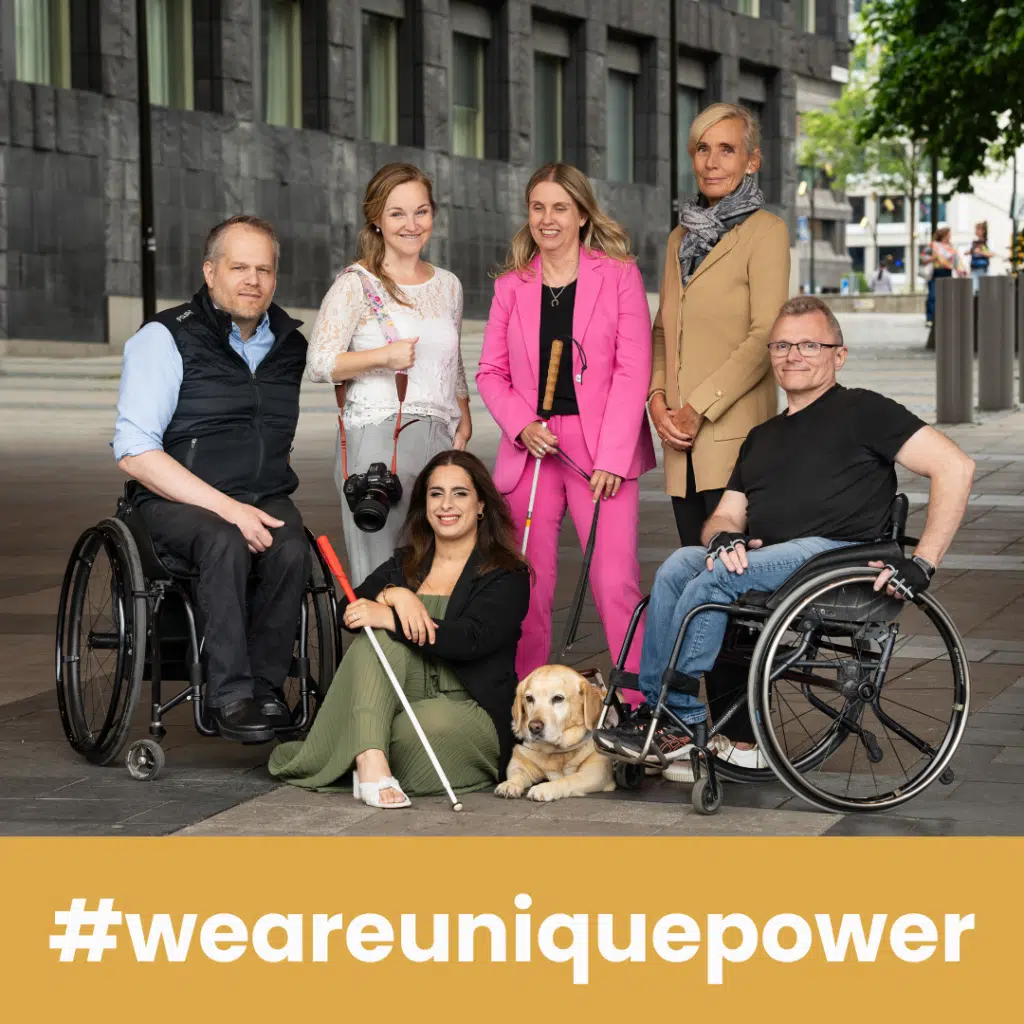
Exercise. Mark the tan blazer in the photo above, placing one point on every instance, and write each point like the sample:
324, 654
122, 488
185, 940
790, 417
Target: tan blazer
711, 343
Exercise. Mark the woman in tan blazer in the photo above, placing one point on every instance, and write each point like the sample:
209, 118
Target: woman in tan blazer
726, 275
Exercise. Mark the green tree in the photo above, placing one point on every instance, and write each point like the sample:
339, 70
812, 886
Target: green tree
896, 164
950, 73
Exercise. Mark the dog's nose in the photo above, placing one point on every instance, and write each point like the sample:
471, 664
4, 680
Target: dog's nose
536, 728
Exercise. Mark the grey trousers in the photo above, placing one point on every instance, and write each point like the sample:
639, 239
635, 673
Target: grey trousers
418, 443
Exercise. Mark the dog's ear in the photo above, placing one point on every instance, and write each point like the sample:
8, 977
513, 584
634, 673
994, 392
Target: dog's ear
593, 700
519, 710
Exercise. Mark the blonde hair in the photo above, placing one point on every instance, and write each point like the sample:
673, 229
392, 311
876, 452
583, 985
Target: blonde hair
710, 116
599, 234
370, 248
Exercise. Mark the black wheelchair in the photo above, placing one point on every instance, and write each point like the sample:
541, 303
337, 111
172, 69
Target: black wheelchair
127, 615
858, 700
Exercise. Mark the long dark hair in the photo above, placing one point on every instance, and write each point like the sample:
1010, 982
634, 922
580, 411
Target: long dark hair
495, 533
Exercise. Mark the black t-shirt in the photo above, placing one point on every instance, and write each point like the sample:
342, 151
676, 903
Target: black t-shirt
825, 471
556, 322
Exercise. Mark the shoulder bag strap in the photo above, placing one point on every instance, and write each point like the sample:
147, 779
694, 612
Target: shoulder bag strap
390, 332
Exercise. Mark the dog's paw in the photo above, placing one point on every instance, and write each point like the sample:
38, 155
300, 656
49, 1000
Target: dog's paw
508, 790
544, 793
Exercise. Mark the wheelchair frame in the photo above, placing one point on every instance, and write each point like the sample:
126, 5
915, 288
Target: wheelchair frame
773, 616
141, 584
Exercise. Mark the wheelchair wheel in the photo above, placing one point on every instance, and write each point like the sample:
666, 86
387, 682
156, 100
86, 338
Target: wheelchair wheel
101, 641
628, 775
701, 798
834, 664
320, 633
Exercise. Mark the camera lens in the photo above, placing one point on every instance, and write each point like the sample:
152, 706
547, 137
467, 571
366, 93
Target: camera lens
371, 511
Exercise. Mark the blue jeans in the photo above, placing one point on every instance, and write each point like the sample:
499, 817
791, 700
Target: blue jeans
683, 582
929, 303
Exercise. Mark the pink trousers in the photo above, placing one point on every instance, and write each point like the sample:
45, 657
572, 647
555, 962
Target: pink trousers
614, 571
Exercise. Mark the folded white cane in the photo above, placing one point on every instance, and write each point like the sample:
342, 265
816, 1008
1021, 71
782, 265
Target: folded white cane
545, 411
332, 560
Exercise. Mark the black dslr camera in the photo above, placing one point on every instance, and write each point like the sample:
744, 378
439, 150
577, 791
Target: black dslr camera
370, 496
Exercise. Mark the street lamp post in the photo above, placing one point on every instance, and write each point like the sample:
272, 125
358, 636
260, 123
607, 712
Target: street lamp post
145, 167
673, 111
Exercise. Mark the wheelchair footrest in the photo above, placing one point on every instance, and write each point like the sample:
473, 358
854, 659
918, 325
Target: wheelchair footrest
676, 680
619, 678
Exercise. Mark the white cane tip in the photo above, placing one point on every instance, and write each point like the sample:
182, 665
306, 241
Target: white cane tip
456, 807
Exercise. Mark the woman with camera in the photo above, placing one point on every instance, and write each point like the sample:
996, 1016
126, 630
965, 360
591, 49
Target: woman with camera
387, 336
448, 607
570, 277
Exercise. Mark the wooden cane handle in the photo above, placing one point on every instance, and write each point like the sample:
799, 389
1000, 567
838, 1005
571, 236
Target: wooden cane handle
549, 388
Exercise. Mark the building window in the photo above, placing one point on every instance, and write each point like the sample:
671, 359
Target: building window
620, 116
169, 43
807, 16
467, 95
858, 209
924, 215
856, 258
548, 74
751, 8
892, 210
282, 63
898, 254
380, 78
688, 104
42, 51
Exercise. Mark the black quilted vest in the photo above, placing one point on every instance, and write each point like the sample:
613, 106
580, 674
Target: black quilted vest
233, 428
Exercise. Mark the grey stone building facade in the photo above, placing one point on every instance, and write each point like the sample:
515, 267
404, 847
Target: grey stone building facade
463, 78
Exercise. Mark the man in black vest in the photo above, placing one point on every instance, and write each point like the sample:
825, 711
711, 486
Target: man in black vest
207, 410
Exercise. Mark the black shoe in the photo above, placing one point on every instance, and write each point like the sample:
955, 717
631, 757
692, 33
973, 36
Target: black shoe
241, 721
628, 736
670, 742
275, 711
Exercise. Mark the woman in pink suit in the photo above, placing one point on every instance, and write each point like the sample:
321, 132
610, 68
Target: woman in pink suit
570, 276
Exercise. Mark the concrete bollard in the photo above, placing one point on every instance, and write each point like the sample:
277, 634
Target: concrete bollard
996, 317
954, 349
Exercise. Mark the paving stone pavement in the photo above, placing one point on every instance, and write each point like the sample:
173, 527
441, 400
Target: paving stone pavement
59, 477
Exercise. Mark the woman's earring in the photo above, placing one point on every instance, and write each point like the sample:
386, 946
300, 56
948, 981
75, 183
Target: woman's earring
480, 514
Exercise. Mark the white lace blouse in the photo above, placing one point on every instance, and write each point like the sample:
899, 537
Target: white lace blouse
437, 379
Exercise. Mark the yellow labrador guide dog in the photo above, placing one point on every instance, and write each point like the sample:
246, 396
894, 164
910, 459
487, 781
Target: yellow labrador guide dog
554, 713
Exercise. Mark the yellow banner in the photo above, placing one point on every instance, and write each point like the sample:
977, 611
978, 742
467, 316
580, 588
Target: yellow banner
209, 929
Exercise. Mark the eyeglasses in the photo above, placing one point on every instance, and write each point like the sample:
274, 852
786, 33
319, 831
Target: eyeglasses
805, 348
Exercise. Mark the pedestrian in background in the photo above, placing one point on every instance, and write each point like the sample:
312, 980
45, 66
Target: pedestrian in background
943, 259
726, 276
881, 279
392, 312
979, 254
570, 276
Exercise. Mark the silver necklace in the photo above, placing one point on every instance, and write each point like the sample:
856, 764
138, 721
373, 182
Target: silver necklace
556, 296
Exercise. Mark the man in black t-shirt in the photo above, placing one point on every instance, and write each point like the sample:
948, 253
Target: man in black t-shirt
818, 476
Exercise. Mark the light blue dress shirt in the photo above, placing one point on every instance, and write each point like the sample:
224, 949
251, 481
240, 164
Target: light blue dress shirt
151, 378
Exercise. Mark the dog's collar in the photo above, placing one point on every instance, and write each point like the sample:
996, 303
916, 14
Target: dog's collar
568, 750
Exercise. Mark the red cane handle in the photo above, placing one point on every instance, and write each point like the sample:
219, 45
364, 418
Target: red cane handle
323, 544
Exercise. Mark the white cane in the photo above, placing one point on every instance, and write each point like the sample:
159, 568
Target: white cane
324, 544
545, 411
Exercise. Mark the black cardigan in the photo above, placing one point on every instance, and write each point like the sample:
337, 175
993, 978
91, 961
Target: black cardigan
477, 637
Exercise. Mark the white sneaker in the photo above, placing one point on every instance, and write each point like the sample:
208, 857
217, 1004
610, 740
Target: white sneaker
732, 754
679, 771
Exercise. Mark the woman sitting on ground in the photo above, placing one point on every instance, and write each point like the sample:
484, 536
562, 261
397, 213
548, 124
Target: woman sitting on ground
448, 609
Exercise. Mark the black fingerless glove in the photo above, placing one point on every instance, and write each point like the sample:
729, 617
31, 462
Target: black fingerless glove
910, 577
725, 541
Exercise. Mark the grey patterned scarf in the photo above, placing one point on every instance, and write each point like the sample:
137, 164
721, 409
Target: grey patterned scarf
705, 225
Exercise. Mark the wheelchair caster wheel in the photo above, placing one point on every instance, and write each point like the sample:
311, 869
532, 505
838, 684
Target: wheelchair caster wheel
703, 802
947, 777
628, 776
145, 760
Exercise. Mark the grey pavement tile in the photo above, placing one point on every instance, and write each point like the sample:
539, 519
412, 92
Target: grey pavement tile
1010, 756
1006, 658
995, 737
955, 827
77, 828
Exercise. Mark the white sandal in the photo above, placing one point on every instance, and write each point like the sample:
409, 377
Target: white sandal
369, 792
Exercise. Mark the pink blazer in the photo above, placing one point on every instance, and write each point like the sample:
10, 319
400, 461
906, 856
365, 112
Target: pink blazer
612, 322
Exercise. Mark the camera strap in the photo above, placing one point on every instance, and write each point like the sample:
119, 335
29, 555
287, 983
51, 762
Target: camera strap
390, 332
